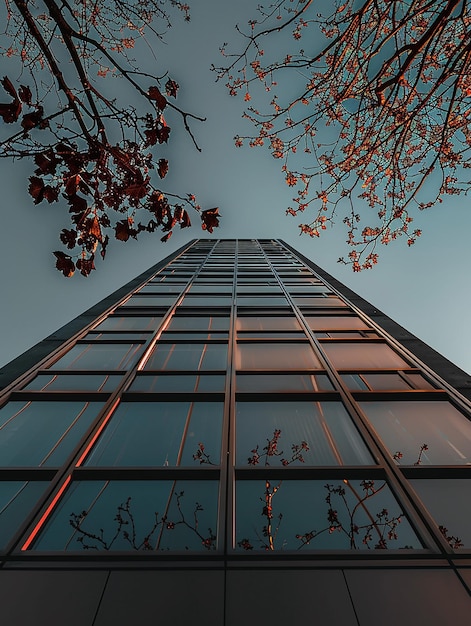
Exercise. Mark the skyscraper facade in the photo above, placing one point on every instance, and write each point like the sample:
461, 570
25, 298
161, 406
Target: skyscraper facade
233, 440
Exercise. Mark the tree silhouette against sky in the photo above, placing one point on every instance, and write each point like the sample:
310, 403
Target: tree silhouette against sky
368, 110
91, 149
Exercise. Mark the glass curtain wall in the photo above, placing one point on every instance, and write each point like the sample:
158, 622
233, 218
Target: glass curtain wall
234, 404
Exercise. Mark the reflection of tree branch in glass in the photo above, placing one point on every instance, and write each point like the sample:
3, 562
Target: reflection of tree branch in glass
126, 528
383, 525
454, 541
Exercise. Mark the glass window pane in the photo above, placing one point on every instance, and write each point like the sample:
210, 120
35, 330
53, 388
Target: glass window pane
157, 434
16, 500
257, 289
450, 510
282, 383
116, 322
179, 322
261, 301
418, 381
150, 300
363, 355
385, 382
163, 515
207, 301
312, 289
354, 382
210, 288
110, 336
272, 356
98, 356
406, 426
74, 382
202, 335
330, 301
344, 322
184, 383
375, 382
320, 515
160, 288
326, 427
267, 323
42, 433
188, 356
274, 334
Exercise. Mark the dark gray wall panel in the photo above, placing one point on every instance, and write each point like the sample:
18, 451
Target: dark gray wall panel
405, 596
50, 598
282, 597
173, 598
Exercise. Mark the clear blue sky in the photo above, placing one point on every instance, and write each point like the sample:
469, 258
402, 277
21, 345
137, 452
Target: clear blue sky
425, 288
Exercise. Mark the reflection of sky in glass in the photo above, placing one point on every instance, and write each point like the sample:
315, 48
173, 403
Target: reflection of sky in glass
157, 434
444, 499
42, 433
406, 426
16, 500
325, 426
99, 357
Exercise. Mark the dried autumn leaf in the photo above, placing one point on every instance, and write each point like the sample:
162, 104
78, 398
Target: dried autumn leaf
51, 194
46, 162
166, 237
72, 185
64, 263
123, 230
68, 237
10, 112
9, 87
160, 100
25, 95
32, 120
94, 228
185, 221
210, 219
77, 204
36, 189
163, 133
162, 168
86, 265
171, 88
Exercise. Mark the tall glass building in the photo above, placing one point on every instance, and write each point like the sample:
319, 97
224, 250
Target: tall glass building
231, 440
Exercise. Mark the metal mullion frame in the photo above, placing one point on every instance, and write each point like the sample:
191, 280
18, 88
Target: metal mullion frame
107, 342
412, 395
60, 396
44, 509
345, 473
171, 396
381, 455
398, 347
54, 355
304, 396
229, 468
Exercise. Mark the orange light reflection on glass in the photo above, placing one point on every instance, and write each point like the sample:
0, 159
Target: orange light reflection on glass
98, 433
150, 349
44, 517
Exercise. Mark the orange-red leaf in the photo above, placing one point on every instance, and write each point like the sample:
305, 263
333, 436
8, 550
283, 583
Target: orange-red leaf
162, 168
160, 100
64, 263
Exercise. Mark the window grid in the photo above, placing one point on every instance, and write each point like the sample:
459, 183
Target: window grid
257, 278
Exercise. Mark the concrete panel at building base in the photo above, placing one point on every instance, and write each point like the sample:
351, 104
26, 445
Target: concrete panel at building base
174, 598
408, 596
50, 598
282, 597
